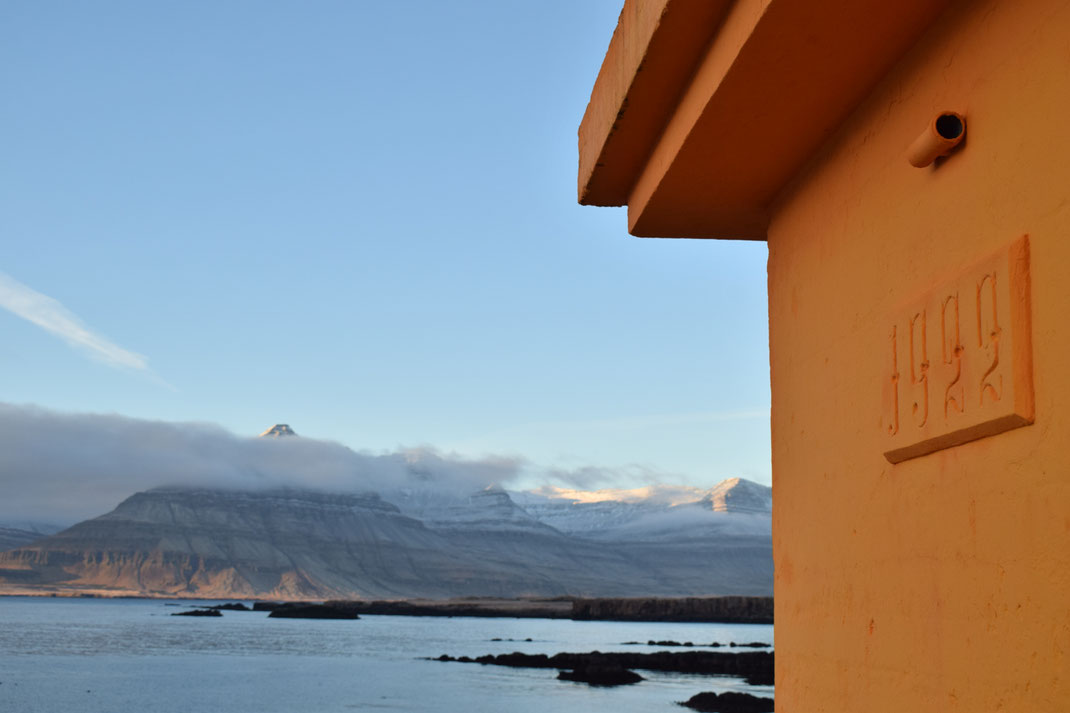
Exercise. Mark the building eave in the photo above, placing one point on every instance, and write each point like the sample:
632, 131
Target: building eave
704, 110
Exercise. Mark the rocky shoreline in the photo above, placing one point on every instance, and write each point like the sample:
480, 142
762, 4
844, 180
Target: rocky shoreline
556, 608
737, 610
728, 610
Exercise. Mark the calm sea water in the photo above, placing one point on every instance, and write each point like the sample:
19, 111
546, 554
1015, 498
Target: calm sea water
110, 656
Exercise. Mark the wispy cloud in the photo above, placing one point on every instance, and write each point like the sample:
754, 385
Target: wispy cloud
50, 315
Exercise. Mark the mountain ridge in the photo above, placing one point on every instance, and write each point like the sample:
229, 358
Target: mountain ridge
303, 544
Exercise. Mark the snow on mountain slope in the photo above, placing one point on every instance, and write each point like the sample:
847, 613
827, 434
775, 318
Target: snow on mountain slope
734, 507
739, 495
17, 534
490, 509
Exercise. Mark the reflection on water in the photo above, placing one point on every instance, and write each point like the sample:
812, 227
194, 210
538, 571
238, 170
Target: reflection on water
131, 655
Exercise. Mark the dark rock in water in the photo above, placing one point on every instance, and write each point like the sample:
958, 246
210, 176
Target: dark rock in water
763, 677
498, 638
596, 674
711, 645
312, 611
235, 606
266, 606
199, 612
519, 660
729, 703
755, 667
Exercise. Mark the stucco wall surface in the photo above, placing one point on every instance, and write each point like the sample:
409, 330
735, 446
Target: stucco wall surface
940, 583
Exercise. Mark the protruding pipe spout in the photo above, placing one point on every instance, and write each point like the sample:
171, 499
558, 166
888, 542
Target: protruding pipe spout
944, 133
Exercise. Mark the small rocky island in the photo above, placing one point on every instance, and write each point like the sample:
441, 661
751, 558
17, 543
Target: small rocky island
729, 702
303, 610
755, 667
599, 673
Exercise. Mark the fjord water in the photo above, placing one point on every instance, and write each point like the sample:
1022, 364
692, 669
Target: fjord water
97, 656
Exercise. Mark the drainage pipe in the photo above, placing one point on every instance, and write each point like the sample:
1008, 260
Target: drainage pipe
944, 133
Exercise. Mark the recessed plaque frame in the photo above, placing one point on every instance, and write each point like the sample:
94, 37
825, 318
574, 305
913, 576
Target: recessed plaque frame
959, 359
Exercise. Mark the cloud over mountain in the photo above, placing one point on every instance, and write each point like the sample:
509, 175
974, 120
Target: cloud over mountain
64, 467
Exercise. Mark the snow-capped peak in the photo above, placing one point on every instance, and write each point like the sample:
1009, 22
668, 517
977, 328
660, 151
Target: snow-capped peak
279, 429
739, 495
652, 512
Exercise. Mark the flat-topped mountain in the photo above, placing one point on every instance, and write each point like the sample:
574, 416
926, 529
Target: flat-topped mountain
301, 544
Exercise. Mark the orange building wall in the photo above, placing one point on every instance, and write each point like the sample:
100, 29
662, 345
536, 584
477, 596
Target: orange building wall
941, 583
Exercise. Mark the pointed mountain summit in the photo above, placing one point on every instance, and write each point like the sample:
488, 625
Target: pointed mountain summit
278, 430
739, 495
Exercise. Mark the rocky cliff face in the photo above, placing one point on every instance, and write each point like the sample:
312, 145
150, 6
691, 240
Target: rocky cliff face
310, 545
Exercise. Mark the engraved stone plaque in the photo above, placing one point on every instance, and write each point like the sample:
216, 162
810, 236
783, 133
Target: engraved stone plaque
959, 359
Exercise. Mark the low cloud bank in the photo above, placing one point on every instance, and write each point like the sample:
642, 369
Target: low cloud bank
61, 467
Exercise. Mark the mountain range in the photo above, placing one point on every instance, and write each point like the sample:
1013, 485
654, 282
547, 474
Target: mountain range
17, 534
408, 542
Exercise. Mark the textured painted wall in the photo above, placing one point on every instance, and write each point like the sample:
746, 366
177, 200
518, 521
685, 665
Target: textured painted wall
942, 582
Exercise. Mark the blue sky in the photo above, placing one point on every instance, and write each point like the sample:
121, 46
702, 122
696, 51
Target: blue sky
359, 219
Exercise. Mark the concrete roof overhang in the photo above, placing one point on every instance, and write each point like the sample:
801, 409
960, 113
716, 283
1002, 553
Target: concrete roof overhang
704, 110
